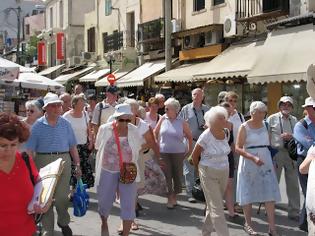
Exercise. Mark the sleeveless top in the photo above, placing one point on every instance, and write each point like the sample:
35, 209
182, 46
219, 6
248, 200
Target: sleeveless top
172, 136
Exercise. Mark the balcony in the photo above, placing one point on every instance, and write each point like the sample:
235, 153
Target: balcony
112, 42
151, 31
257, 10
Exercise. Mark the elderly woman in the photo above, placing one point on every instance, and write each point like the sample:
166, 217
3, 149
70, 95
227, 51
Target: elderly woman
257, 181
210, 155
33, 112
79, 120
171, 132
15, 179
117, 140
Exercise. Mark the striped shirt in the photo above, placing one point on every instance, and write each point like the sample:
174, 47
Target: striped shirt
46, 138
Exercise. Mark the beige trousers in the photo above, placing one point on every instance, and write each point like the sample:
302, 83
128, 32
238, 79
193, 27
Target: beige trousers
61, 193
213, 182
311, 226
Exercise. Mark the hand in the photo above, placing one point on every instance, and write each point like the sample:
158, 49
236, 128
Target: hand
78, 172
39, 210
286, 136
258, 161
162, 164
190, 160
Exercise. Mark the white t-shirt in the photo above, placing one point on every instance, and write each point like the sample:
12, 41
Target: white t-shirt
151, 122
215, 152
79, 126
236, 121
142, 128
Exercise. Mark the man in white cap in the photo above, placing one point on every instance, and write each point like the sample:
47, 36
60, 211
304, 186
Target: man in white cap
52, 137
304, 134
281, 129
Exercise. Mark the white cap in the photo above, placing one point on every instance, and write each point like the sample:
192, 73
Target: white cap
285, 99
51, 98
309, 102
122, 109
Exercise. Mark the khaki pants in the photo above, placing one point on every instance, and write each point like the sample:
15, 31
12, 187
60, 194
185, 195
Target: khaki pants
311, 226
61, 193
213, 182
283, 161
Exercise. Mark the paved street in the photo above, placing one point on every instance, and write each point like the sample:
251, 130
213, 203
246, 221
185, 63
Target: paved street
186, 219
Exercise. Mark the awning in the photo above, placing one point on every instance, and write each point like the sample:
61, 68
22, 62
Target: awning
183, 73
63, 79
9, 74
50, 70
6, 63
235, 61
103, 82
94, 76
36, 81
137, 76
286, 56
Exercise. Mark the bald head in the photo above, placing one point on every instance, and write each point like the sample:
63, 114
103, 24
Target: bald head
197, 96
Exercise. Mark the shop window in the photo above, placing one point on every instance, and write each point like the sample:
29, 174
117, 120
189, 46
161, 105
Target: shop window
218, 2
199, 5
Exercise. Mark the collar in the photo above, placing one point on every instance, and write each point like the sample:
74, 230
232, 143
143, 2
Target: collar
308, 120
177, 117
282, 116
45, 121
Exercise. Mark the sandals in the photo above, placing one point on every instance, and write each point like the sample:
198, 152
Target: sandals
249, 230
134, 226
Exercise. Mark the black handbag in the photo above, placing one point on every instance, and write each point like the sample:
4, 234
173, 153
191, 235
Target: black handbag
197, 191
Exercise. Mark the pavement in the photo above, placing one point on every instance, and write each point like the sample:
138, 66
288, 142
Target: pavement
185, 220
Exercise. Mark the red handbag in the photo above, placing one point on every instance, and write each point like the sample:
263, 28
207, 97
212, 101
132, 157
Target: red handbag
128, 170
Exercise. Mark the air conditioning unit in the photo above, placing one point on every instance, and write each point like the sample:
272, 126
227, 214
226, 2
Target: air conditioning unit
189, 41
213, 37
89, 56
229, 27
176, 25
75, 60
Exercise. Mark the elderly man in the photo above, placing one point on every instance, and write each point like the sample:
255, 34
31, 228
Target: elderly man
66, 102
193, 113
103, 110
51, 138
281, 129
160, 97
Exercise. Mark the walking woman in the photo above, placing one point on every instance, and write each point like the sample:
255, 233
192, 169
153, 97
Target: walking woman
171, 132
210, 155
117, 142
79, 120
257, 181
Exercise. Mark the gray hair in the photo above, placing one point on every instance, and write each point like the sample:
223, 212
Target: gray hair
142, 112
221, 96
64, 95
33, 104
174, 103
257, 106
159, 96
76, 98
213, 113
132, 102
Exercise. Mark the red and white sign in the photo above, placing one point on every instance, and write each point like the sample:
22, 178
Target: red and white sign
41, 53
111, 79
60, 46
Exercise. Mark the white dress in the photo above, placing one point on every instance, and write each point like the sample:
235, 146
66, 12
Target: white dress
255, 183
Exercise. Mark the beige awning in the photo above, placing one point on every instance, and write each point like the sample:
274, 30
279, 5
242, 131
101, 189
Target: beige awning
63, 79
286, 56
183, 73
235, 61
103, 82
95, 75
51, 69
137, 76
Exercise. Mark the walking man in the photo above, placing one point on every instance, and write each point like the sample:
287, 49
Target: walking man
193, 113
281, 126
51, 138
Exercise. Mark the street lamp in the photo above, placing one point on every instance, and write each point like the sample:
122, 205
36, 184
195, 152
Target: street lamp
17, 11
110, 59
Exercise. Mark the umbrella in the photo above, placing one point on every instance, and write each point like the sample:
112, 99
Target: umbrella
36, 81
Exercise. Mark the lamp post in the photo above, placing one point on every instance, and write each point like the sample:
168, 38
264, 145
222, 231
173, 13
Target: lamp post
17, 11
110, 58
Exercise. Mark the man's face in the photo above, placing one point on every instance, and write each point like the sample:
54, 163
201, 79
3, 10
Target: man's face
197, 96
111, 97
232, 101
286, 108
310, 111
54, 109
78, 89
66, 103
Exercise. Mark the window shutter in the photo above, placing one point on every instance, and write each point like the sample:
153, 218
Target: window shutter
108, 7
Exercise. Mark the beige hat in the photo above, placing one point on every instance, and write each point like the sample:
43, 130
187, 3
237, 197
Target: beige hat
309, 102
122, 109
285, 99
51, 98
310, 81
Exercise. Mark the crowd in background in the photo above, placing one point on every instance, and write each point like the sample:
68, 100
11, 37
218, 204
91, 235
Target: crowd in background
163, 141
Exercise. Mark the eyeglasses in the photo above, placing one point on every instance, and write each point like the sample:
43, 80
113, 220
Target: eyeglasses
30, 111
124, 120
55, 105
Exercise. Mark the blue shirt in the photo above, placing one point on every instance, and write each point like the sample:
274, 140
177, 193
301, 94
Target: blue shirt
304, 137
47, 138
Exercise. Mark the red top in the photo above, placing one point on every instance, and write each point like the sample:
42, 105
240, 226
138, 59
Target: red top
16, 193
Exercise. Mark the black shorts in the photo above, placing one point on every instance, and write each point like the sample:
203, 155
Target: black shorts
231, 165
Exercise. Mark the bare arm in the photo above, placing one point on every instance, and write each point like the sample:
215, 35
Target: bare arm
196, 154
188, 135
76, 159
156, 131
150, 141
305, 165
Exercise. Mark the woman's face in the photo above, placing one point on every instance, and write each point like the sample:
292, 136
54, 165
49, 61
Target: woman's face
259, 115
233, 102
219, 121
123, 121
154, 107
32, 113
8, 148
170, 111
80, 105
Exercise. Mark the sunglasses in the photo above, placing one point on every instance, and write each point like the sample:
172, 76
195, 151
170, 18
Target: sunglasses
124, 120
30, 111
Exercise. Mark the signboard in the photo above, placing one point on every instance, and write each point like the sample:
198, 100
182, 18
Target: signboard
111, 79
41, 53
60, 46
9, 74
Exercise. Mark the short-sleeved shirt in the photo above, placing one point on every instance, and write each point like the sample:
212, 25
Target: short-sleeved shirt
17, 192
151, 122
237, 119
106, 111
215, 152
142, 128
79, 126
305, 137
46, 138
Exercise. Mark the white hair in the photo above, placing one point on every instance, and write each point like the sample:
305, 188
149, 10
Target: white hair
159, 96
33, 104
132, 102
257, 106
213, 114
174, 103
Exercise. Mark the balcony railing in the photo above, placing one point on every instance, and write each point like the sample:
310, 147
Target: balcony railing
254, 10
150, 31
113, 41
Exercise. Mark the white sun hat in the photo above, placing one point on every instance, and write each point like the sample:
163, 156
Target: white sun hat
122, 109
51, 98
309, 102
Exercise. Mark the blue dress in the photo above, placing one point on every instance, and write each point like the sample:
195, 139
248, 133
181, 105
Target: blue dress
255, 183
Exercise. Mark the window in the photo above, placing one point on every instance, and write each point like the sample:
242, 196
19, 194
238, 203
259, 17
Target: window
91, 39
61, 14
218, 2
51, 19
112, 42
27, 29
199, 5
108, 7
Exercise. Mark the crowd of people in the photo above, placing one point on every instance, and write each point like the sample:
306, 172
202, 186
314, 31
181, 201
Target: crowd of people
146, 148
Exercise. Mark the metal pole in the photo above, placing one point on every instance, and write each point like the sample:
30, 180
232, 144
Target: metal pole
168, 34
110, 66
18, 35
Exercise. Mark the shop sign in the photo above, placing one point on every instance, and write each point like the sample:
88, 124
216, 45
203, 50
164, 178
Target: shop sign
41, 53
60, 46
